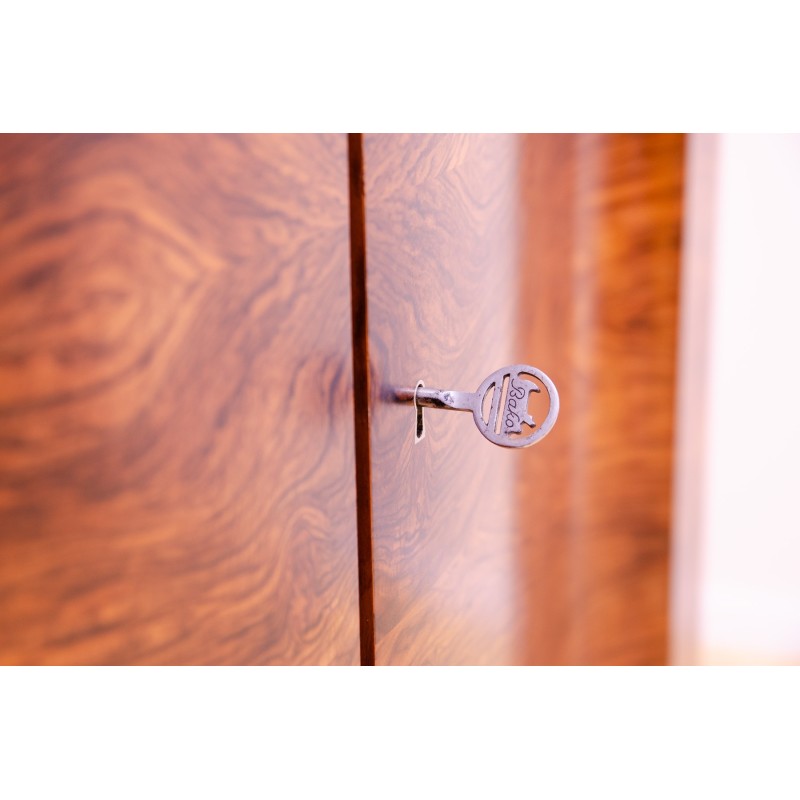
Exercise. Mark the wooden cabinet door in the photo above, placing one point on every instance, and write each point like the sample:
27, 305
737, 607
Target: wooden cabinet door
176, 418
557, 251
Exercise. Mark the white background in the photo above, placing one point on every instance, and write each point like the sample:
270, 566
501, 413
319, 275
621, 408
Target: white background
742, 306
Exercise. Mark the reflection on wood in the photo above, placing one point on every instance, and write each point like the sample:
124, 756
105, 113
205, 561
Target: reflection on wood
442, 270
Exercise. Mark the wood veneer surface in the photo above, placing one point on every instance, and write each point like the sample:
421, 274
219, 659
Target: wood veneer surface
176, 418
562, 252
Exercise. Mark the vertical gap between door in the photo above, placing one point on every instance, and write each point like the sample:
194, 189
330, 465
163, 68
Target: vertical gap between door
358, 306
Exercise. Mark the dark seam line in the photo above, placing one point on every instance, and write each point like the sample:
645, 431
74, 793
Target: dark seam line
358, 307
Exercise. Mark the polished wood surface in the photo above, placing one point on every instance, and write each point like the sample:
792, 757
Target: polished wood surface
602, 250
176, 417
560, 251
441, 278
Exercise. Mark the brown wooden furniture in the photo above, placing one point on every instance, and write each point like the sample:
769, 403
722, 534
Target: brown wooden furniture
176, 421
200, 457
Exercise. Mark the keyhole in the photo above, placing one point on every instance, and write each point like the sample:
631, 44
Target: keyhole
419, 431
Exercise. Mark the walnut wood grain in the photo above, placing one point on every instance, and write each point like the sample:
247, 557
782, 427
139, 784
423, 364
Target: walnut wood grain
562, 252
176, 417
